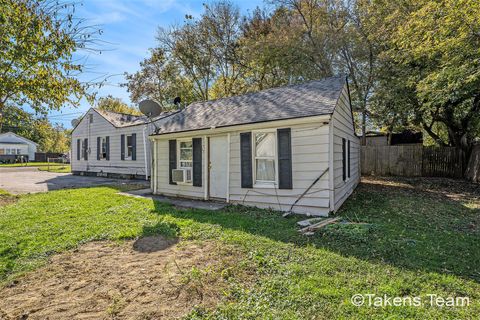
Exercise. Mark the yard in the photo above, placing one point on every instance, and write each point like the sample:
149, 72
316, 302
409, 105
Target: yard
63, 254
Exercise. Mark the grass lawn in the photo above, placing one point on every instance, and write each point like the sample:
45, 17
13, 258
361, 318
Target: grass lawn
417, 237
42, 166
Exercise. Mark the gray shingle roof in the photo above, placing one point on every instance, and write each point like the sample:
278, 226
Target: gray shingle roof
312, 98
120, 120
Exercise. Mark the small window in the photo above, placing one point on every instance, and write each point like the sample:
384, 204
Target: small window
19, 151
90, 118
129, 146
103, 148
2, 151
264, 155
84, 149
185, 154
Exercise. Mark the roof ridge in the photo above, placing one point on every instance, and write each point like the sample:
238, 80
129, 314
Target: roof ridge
121, 113
265, 90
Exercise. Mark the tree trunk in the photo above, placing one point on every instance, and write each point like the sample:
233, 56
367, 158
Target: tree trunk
364, 126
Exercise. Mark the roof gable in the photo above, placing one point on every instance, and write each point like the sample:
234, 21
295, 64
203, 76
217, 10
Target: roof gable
121, 120
4, 137
312, 98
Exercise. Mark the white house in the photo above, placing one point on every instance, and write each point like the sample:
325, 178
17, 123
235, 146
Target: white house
112, 144
13, 146
291, 148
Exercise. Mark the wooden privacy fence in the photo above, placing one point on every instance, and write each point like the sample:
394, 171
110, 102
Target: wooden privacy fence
412, 161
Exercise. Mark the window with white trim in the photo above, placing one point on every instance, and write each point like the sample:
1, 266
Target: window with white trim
185, 154
103, 148
84, 149
129, 146
264, 157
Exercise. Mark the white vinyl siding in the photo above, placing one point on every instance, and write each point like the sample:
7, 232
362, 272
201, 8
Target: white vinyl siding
99, 127
162, 173
343, 129
15, 143
309, 160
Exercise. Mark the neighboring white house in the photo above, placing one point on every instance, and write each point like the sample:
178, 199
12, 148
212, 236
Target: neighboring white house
291, 148
112, 144
13, 146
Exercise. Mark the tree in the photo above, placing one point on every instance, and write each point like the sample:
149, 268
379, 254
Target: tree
159, 79
110, 103
434, 45
37, 42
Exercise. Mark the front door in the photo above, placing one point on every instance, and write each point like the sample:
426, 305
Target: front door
218, 167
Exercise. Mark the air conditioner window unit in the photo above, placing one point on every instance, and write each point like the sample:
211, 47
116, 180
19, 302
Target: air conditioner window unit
182, 175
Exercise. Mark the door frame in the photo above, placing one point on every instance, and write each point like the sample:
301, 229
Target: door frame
227, 196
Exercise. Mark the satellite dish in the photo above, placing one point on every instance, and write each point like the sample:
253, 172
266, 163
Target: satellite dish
150, 108
74, 122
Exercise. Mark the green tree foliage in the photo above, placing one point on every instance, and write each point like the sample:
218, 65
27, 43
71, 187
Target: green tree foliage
159, 79
431, 60
38, 40
411, 64
110, 103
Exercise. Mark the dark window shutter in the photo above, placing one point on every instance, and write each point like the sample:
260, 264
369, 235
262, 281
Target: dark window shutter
284, 142
349, 157
172, 159
344, 159
86, 149
134, 146
246, 159
197, 161
98, 147
107, 142
122, 147
78, 149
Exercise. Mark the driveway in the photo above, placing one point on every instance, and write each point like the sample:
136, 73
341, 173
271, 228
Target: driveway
17, 180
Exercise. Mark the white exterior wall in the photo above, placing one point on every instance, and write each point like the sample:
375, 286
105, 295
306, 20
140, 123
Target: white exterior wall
310, 147
23, 148
100, 127
309, 160
162, 174
343, 127
29, 148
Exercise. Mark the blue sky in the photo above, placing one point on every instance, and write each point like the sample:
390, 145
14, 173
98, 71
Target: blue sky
129, 28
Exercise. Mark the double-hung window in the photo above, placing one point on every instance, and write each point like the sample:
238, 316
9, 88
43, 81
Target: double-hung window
129, 146
185, 150
264, 157
103, 148
84, 149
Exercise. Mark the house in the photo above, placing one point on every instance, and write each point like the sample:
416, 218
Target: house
14, 147
111, 144
290, 148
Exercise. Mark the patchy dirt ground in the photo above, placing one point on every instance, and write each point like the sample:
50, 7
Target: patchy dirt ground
452, 189
150, 278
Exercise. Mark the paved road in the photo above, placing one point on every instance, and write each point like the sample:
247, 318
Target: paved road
17, 180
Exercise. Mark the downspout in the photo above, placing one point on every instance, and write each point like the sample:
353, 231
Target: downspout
145, 152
